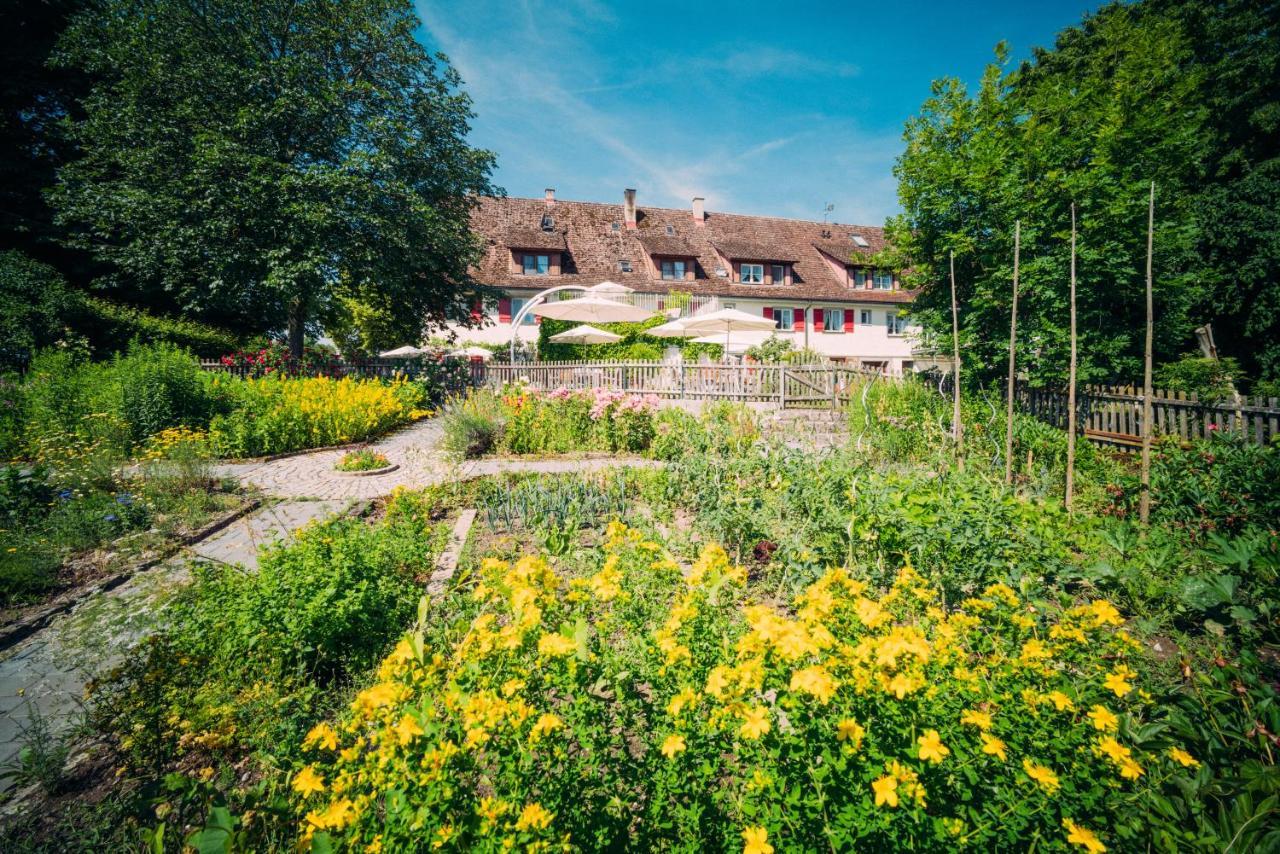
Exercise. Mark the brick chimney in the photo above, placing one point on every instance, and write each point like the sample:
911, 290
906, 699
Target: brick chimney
629, 208
550, 195
699, 214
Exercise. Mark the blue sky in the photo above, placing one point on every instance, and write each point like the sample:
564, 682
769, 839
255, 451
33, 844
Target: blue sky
762, 107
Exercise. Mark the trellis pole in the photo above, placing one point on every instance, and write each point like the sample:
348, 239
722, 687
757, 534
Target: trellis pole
1013, 341
1144, 505
957, 429
1071, 374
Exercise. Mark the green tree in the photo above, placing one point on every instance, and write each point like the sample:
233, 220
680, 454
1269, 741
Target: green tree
262, 163
1153, 90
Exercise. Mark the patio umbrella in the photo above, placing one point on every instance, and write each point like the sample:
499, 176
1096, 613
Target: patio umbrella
738, 342
405, 352
593, 309
670, 329
586, 335
605, 289
725, 321
473, 352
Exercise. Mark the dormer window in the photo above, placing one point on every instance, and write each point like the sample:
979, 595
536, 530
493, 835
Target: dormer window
778, 272
624, 265
752, 274
536, 265
883, 280
548, 222
671, 231
859, 278
673, 269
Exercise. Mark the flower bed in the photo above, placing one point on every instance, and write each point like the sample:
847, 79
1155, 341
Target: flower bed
276, 414
644, 708
524, 421
363, 460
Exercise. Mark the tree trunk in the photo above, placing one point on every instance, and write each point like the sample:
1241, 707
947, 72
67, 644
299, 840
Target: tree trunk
1144, 505
297, 328
1071, 374
1013, 342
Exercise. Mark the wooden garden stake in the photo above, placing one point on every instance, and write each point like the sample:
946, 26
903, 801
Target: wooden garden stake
1013, 340
1071, 373
1144, 505
957, 429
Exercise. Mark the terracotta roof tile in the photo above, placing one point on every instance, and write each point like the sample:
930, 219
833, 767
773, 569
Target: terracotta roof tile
592, 249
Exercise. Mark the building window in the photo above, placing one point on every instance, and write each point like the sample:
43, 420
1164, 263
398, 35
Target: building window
730, 305
884, 280
537, 265
864, 317
779, 274
516, 305
784, 319
672, 269
859, 278
895, 323
833, 320
752, 274
624, 266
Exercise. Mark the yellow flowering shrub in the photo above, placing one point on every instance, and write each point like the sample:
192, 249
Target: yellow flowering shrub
275, 414
650, 707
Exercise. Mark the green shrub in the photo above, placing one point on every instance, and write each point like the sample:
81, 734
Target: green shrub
34, 304
1210, 379
248, 655
676, 433
473, 427
111, 327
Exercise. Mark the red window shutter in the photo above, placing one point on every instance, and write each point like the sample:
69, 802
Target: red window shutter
504, 310
799, 313
848, 320
818, 320
768, 311
477, 310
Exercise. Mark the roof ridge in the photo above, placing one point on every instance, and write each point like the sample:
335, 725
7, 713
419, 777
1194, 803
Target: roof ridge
559, 201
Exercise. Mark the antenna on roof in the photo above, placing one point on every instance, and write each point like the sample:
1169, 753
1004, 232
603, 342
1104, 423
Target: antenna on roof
827, 212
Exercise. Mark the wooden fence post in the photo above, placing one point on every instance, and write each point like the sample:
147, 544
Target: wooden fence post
1013, 340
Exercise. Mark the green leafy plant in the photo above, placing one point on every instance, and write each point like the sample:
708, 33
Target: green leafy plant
364, 459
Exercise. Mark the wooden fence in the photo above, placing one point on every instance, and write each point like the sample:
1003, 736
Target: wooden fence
363, 369
783, 385
1112, 415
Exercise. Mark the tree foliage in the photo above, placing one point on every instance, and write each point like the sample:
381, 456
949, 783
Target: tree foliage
262, 163
1171, 91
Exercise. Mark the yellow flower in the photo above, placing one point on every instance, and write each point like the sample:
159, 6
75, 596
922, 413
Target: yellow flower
1103, 720
1119, 681
335, 816
1083, 837
407, 730
755, 840
1042, 775
556, 645
545, 725
308, 782
993, 746
443, 834
981, 720
901, 685
851, 731
672, 745
533, 817
1183, 758
322, 735
815, 681
755, 722
686, 697
1105, 614
1061, 701
931, 747
886, 789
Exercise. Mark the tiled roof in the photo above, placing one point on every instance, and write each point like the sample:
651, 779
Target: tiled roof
534, 238
592, 249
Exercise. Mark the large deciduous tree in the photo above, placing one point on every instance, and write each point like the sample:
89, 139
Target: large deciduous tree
1138, 92
262, 163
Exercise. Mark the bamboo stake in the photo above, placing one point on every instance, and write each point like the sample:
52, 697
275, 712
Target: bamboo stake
1144, 506
1071, 374
957, 429
1013, 340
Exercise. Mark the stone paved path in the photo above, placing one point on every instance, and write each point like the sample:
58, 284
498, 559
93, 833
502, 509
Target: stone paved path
46, 673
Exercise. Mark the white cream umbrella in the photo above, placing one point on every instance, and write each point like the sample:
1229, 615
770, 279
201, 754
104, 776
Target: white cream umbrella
405, 352
670, 329
604, 289
593, 309
728, 320
738, 342
586, 335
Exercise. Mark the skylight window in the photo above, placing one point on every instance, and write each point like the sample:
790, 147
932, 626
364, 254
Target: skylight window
670, 230
859, 240
548, 222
